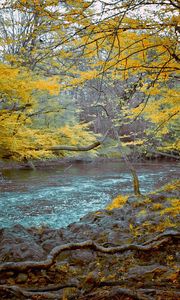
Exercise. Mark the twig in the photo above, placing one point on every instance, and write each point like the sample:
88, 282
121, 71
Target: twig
66, 169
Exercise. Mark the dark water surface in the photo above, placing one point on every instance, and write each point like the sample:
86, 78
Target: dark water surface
59, 196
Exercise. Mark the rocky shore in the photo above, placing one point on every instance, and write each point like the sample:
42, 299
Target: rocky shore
130, 252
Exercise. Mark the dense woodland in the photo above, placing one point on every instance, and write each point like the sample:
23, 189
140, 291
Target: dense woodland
71, 71
101, 78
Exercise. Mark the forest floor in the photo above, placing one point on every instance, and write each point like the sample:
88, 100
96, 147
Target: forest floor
131, 252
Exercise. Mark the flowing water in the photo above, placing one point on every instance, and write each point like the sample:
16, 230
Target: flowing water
61, 195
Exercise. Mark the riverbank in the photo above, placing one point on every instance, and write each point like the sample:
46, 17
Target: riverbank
67, 161
51, 163
130, 252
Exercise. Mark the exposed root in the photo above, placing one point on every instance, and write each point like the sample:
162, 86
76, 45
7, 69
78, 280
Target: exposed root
135, 294
53, 288
117, 293
20, 292
169, 233
145, 285
154, 243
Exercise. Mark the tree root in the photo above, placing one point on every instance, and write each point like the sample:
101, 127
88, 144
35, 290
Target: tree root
20, 292
154, 243
116, 293
135, 294
100, 290
169, 233
163, 293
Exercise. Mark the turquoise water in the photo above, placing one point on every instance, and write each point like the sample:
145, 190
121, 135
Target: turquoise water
59, 196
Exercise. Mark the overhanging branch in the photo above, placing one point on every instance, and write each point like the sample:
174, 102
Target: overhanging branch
74, 148
78, 148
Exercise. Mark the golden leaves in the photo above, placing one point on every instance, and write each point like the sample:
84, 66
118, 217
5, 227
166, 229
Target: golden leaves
117, 202
50, 86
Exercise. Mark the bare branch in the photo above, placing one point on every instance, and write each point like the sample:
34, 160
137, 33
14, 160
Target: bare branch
165, 154
74, 148
78, 148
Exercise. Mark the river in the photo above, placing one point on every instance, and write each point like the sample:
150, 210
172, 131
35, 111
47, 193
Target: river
60, 195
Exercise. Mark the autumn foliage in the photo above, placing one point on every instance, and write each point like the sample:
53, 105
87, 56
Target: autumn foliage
50, 49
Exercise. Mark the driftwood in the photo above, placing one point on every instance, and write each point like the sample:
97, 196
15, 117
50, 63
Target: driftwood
154, 243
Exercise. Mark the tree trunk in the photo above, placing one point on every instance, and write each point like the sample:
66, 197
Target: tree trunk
136, 184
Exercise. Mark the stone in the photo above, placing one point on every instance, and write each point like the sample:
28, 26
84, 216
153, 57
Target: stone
82, 257
17, 244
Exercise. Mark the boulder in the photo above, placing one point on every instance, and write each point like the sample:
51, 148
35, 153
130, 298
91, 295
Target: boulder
17, 244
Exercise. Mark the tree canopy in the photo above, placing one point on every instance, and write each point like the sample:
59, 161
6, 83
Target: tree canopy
51, 49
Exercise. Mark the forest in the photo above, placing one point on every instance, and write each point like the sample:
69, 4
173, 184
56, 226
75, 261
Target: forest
89, 149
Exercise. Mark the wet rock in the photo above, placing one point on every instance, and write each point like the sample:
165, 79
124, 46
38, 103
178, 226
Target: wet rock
116, 238
49, 244
17, 244
82, 257
49, 233
81, 231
